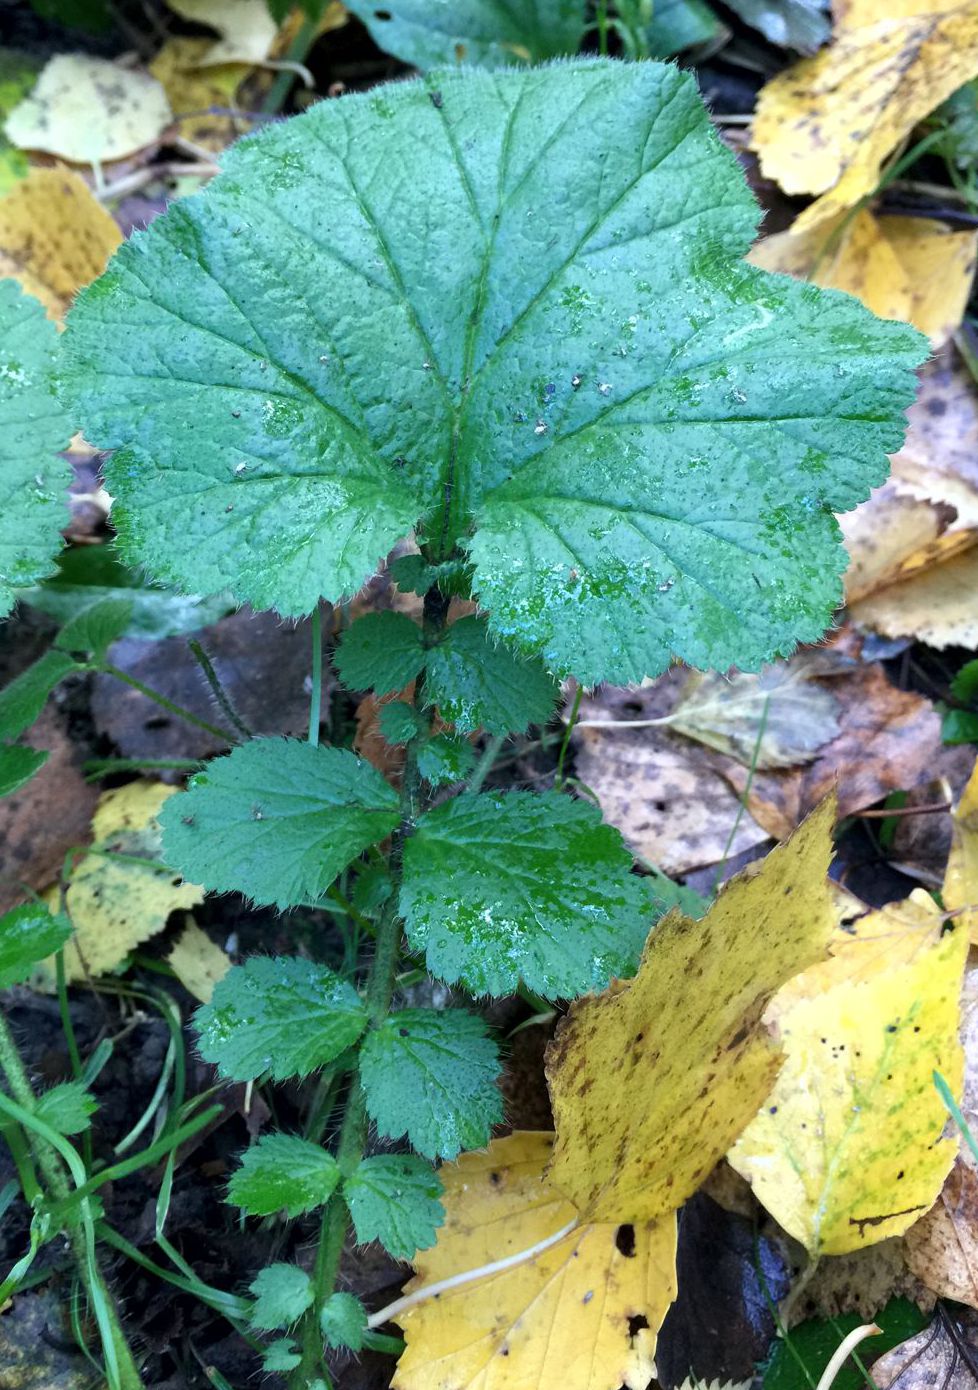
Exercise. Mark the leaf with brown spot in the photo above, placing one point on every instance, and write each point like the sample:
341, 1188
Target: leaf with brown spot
582, 1315
652, 1080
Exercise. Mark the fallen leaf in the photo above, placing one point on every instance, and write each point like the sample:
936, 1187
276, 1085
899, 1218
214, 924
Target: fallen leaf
246, 27
861, 1282
849, 1148
686, 1036
894, 535
55, 237
935, 606
198, 962
910, 268
200, 98
943, 1355
960, 892
826, 125
114, 904
582, 1315
88, 110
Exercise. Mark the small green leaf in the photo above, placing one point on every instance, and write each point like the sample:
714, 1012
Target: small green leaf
800, 24
23, 699
664, 894
33, 427
487, 33
283, 1016
398, 722
18, 765
343, 1321
277, 820
67, 1108
92, 631
964, 686
503, 888
280, 1356
381, 652
28, 934
959, 726
798, 1360
443, 760
281, 1172
413, 575
394, 1198
282, 1294
432, 1076
477, 682
680, 24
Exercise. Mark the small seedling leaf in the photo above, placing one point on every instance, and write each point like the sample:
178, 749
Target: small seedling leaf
282, 1172
27, 935
394, 1198
282, 1294
343, 1321
380, 652
67, 1108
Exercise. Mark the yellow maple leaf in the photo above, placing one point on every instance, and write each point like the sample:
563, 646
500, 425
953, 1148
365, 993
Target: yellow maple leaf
652, 1080
849, 1147
960, 891
583, 1314
114, 903
827, 124
910, 268
55, 236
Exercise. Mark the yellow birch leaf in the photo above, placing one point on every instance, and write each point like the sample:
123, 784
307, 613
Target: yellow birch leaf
936, 606
849, 1147
198, 962
652, 1080
200, 97
89, 110
910, 268
827, 124
961, 876
246, 27
114, 904
55, 237
584, 1314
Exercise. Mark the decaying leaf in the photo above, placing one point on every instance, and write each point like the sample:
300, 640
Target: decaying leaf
115, 904
198, 962
652, 1080
55, 236
246, 27
911, 268
894, 535
89, 110
200, 97
936, 606
849, 1147
960, 892
942, 1357
582, 1315
827, 124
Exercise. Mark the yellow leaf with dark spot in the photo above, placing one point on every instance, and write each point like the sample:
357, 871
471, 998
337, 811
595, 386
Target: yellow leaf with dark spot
200, 97
115, 904
960, 892
828, 123
89, 110
582, 1315
55, 237
652, 1080
910, 268
198, 962
849, 1147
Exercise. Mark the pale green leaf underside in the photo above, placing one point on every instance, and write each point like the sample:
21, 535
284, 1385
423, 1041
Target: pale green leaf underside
394, 1198
538, 339
67, 1108
284, 1016
282, 1172
486, 33
503, 888
282, 1294
343, 1321
432, 1076
33, 427
277, 820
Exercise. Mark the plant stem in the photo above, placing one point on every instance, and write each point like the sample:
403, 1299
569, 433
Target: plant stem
377, 996
165, 703
316, 695
296, 53
217, 689
128, 1377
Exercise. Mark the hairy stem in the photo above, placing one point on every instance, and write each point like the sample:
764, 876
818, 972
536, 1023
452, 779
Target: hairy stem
169, 705
377, 996
58, 1189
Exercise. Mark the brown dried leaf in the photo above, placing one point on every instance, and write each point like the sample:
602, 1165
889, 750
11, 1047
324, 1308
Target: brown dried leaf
942, 1357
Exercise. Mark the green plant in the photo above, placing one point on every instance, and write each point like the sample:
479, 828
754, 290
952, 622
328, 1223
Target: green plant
506, 312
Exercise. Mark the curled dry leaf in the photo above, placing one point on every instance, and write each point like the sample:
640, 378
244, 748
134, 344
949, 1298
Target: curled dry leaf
55, 237
582, 1315
849, 1147
827, 124
686, 1035
88, 110
911, 268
